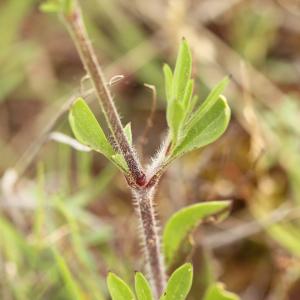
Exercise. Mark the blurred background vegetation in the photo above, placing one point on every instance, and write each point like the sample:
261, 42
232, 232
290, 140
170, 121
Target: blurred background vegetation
66, 217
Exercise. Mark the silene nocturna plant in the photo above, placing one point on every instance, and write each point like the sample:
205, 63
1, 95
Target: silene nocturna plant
191, 126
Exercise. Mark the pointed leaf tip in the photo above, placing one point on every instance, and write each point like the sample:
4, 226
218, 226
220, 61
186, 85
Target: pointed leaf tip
142, 287
179, 284
118, 288
182, 72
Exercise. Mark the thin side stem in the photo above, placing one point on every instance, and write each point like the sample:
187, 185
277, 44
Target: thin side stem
150, 239
89, 59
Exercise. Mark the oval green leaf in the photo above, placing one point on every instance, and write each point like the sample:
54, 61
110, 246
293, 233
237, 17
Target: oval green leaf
88, 132
179, 283
142, 287
118, 289
87, 129
184, 221
205, 129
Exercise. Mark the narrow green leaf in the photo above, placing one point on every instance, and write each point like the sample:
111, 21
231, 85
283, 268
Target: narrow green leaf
208, 128
142, 287
87, 129
182, 72
168, 81
118, 289
217, 292
184, 221
175, 117
192, 105
179, 89
179, 283
128, 133
210, 101
188, 93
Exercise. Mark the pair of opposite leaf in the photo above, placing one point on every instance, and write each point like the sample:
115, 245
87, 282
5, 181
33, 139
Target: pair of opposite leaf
177, 288
191, 126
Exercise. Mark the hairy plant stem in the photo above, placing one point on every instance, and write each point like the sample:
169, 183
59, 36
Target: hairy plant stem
150, 238
143, 191
89, 59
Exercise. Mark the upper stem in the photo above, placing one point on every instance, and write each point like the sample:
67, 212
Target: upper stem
89, 59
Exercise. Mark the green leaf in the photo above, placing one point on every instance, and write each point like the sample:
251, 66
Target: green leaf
175, 117
88, 132
184, 221
178, 89
118, 289
168, 81
192, 104
142, 287
188, 93
179, 283
128, 133
210, 101
205, 129
207, 123
87, 129
217, 292
182, 72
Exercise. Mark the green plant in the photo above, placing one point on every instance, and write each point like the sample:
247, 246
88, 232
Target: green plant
191, 126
